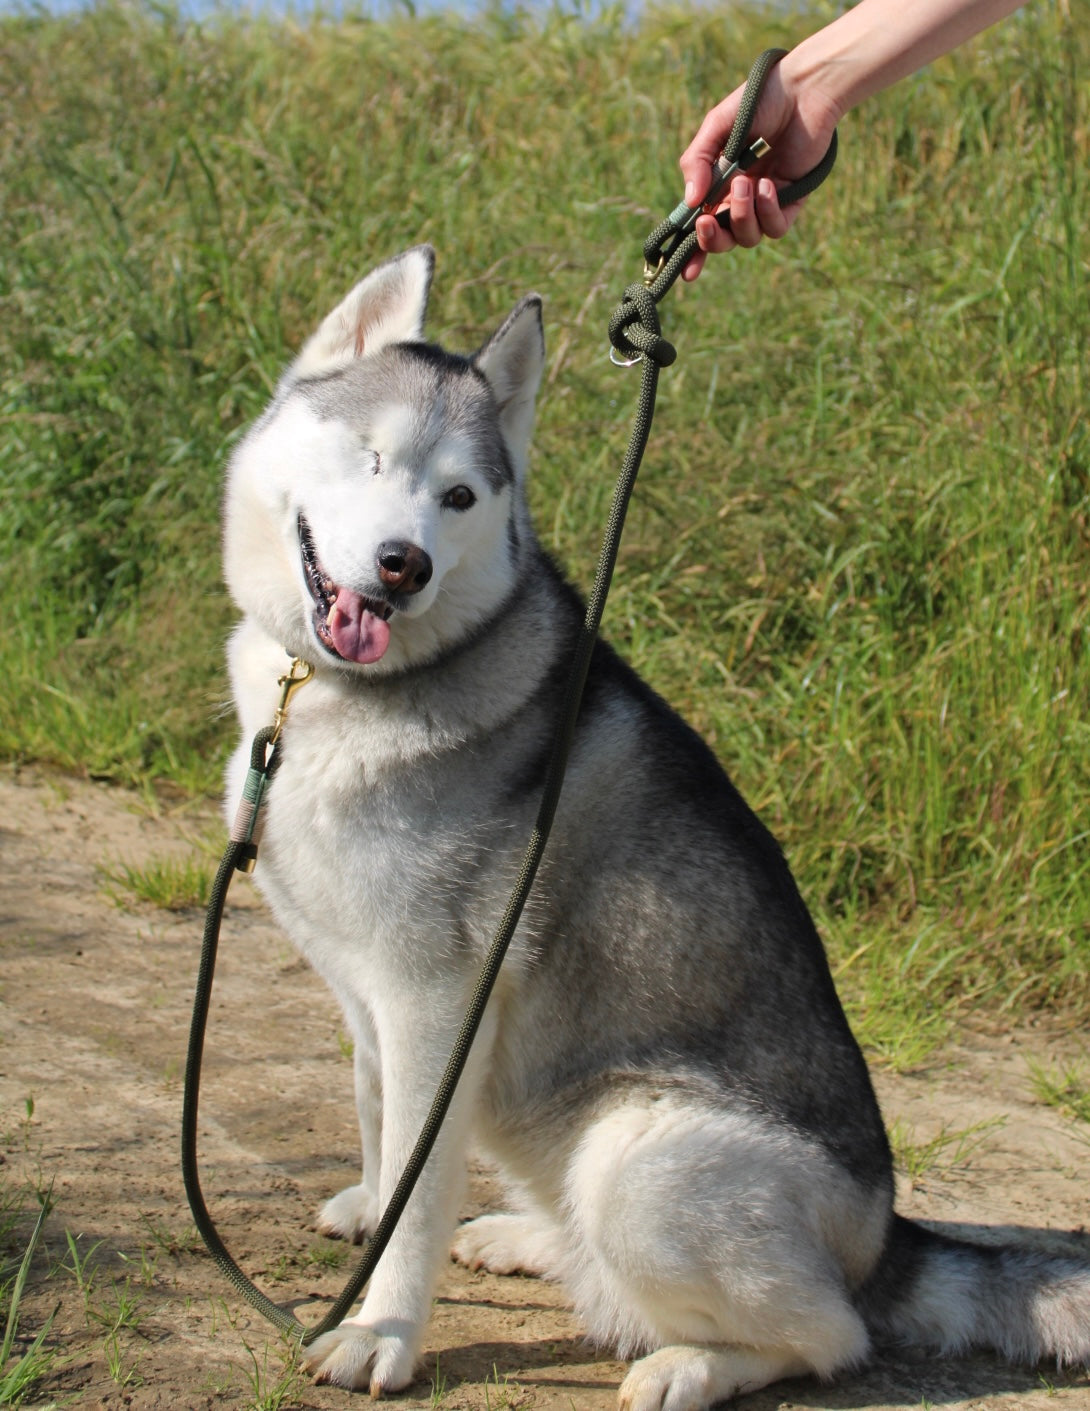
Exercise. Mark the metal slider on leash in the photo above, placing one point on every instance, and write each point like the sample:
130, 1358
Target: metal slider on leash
244, 830
682, 218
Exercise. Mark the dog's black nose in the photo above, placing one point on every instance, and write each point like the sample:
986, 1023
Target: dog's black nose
403, 567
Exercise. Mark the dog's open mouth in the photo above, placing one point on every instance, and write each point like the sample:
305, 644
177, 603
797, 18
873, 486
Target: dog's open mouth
352, 626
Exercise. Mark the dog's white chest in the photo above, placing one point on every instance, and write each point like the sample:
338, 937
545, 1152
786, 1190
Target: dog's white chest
365, 863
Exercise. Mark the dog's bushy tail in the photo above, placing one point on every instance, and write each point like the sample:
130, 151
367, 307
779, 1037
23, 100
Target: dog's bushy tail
952, 1295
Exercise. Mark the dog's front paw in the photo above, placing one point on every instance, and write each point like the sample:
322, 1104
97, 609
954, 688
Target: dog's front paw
351, 1215
381, 1358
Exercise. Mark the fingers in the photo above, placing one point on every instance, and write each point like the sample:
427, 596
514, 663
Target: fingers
693, 268
798, 130
755, 215
755, 212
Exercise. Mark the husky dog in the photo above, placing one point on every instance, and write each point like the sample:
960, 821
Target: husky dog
664, 1073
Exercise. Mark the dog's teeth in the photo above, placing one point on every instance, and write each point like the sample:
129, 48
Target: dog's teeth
329, 615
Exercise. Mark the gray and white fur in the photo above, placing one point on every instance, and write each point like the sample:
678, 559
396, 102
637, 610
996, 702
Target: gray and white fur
664, 1074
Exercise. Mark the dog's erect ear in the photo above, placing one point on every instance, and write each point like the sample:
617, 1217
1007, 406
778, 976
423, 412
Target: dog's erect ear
386, 307
512, 361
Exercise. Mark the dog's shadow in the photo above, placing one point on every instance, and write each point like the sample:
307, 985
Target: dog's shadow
894, 1377
561, 1364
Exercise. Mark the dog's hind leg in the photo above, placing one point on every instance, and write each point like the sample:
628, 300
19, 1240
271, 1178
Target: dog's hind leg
722, 1244
692, 1378
353, 1213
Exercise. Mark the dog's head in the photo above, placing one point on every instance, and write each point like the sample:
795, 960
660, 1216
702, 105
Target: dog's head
374, 514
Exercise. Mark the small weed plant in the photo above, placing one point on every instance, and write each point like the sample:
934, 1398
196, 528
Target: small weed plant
276, 1387
948, 1148
173, 884
21, 1373
1065, 1086
503, 1394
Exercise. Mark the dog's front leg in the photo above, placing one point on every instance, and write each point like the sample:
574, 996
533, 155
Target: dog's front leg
377, 1348
353, 1213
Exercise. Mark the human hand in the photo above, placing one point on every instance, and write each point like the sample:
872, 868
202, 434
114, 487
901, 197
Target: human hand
799, 127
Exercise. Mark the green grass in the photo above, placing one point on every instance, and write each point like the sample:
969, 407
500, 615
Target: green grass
79, 1310
171, 883
858, 554
1065, 1086
272, 1388
21, 1371
949, 1147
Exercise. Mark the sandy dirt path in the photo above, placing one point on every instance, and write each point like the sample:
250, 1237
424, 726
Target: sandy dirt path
94, 1011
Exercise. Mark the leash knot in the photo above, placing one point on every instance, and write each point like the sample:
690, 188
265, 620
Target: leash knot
635, 331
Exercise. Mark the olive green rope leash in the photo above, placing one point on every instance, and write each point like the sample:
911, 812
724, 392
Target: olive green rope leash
634, 333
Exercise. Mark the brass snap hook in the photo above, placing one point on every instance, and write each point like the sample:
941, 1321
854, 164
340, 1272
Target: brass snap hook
298, 674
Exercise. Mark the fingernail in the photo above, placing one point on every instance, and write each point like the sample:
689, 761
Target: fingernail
742, 189
690, 193
767, 188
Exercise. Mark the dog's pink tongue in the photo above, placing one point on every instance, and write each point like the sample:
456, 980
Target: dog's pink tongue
357, 634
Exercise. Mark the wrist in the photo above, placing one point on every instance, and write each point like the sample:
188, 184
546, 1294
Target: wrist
825, 72
878, 42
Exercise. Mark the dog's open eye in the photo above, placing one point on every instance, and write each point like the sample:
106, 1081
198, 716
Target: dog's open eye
460, 498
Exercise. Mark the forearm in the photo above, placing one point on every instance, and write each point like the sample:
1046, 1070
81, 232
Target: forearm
877, 42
